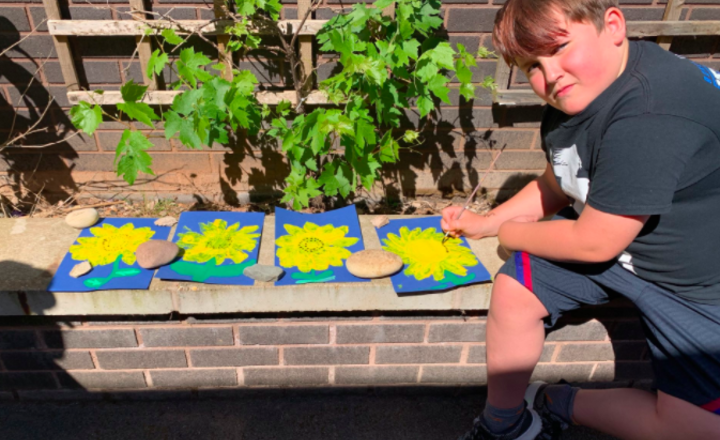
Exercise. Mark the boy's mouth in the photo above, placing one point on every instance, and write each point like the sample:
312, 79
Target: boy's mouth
562, 91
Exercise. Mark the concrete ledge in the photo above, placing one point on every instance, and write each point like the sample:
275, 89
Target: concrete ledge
31, 251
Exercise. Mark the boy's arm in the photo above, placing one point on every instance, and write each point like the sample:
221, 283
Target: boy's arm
595, 237
539, 198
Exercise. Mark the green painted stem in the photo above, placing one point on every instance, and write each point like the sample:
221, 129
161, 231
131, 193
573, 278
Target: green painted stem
452, 280
96, 283
200, 273
313, 277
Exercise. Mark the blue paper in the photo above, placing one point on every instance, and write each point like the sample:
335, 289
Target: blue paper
313, 248
216, 247
429, 264
109, 245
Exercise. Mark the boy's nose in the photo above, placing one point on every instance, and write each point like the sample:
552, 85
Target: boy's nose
553, 72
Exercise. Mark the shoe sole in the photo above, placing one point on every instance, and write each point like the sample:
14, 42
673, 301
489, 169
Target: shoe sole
536, 426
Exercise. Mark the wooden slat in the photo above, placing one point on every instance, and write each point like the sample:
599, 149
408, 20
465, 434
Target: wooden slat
517, 97
165, 97
673, 10
62, 47
306, 55
144, 45
676, 28
89, 28
224, 56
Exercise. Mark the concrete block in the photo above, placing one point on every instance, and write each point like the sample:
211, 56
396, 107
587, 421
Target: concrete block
17, 339
102, 72
531, 160
47, 360
499, 139
547, 353
179, 13
380, 334
590, 331
454, 375
471, 20
149, 395
457, 332
37, 14
705, 14
141, 359
89, 13
180, 337
623, 371
637, 14
15, 19
477, 354
90, 338
58, 395
194, 378
291, 14
280, 335
234, 357
101, 379
551, 373
417, 354
376, 375
586, 352
6, 396
630, 350
27, 381
286, 377
326, 355
36, 46
109, 140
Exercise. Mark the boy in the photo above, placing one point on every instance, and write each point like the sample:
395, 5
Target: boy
632, 137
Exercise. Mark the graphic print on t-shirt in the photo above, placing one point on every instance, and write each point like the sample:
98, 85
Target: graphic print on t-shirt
573, 180
709, 75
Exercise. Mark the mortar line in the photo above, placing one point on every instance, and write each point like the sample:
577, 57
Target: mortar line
464, 354
95, 360
148, 379
240, 376
331, 375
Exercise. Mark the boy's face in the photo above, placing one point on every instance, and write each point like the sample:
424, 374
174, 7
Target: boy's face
584, 65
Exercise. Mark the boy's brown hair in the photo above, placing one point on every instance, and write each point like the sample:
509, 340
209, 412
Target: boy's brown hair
527, 28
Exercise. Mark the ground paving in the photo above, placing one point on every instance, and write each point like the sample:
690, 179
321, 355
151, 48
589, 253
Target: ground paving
297, 415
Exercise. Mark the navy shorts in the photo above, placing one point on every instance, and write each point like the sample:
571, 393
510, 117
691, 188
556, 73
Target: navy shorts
684, 336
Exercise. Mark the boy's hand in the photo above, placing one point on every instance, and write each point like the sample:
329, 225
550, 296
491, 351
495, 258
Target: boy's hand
470, 225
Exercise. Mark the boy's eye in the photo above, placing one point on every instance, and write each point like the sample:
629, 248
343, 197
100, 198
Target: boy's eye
560, 47
532, 67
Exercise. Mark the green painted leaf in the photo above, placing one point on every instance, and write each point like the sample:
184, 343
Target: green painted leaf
86, 117
138, 111
127, 272
171, 37
132, 92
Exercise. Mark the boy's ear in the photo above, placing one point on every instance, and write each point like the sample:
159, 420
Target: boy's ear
615, 25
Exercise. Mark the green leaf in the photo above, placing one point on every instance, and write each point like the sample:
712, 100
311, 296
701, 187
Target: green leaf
131, 156
171, 37
382, 4
184, 103
389, 148
86, 118
425, 104
437, 86
245, 82
156, 63
467, 91
189, 66
188, 136
410, 136
138, 111
132, 92
442, 54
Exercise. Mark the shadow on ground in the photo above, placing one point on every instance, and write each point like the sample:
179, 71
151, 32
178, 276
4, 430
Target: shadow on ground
402, 414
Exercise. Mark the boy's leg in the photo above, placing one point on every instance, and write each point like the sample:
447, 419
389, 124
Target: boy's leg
634, 414
515, 337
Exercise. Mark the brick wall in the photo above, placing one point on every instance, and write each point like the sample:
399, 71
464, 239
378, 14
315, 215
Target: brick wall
458, 145
41, 361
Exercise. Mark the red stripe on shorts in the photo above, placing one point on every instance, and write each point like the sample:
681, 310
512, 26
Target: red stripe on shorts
713, 406
527, 272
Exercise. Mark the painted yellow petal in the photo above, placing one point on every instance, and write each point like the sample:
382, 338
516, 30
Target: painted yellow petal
309, 226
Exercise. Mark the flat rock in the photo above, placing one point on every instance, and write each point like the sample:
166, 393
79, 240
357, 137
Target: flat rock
156, 253
166, 221
373, 263
82, 218
261, 272
380, 221
80, 269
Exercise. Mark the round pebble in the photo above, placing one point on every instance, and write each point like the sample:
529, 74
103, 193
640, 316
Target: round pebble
82, 218
373, 263
156, 253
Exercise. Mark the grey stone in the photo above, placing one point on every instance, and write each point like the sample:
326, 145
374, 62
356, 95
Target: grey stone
375, 375
358, 334
277, 335
140, 359
234, 357
373, 263
194, 378
102, 380
326, 355
454, 375
155, 253
466, 332
90, 338
417, 354
183, 337
82, 218
286, 376
47, 360
262, 272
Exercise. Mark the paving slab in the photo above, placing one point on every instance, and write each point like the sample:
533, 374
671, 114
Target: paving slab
31, 251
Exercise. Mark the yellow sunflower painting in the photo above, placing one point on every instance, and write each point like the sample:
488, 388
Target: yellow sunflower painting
425, 254
110, 243
313, 247
219, 242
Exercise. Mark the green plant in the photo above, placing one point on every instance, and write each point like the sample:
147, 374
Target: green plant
387, 64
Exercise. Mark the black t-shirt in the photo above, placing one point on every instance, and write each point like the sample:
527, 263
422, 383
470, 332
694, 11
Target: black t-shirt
650, 145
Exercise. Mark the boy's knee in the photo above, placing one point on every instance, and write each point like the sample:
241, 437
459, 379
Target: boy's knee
509, 296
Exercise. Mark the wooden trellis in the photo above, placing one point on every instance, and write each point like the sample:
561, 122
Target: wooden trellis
664, 29
62, 29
